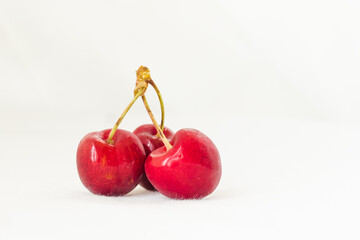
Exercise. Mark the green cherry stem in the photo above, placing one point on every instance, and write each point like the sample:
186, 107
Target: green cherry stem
113, 130
161, 103
160, 132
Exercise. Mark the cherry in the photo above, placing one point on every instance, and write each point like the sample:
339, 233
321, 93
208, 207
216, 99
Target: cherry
151, 141
111, 162
190, 169
110, 169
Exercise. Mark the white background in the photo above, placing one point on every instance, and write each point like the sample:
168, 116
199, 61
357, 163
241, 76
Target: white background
275, 84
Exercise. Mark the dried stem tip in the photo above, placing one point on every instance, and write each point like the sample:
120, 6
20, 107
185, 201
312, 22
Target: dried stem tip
143, 74
142, 79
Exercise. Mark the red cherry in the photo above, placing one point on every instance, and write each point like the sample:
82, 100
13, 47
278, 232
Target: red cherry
151, 141
110, 169
190, 169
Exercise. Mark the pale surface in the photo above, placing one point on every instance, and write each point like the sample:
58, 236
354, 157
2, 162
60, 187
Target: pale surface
275, 84
281, 179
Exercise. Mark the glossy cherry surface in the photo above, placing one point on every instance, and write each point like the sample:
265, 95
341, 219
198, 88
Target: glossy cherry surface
110, 169
190, 169
151, 141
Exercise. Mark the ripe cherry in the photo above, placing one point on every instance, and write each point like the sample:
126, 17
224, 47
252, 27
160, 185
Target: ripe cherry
110, 169
111, 162
190, 169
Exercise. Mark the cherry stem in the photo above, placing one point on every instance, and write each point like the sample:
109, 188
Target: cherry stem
160, 132
113, 130
161, 104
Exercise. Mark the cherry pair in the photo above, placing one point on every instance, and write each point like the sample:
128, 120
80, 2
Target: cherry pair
113, 162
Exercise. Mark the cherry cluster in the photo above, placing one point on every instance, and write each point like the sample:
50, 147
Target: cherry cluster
184, 165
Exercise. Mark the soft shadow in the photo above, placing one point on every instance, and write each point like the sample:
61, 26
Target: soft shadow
136, 194
140, 192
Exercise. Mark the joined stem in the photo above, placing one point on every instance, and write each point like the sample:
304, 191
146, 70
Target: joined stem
113, 130
143, 78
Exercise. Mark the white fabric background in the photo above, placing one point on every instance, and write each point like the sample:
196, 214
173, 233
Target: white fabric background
275, 84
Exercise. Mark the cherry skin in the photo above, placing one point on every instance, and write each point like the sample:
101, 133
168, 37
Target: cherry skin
110, 169
151, 141
190, 169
